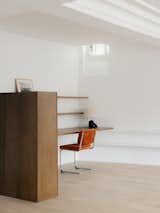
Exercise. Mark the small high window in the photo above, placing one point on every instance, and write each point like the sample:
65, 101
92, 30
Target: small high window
95, 59
98, 49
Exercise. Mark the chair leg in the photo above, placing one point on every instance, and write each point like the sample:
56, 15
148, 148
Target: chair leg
76, 165
65, 171
60, 160
75, 160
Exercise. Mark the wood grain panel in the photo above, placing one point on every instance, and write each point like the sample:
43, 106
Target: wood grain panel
47, 146
18, 125
28, 145
2, 142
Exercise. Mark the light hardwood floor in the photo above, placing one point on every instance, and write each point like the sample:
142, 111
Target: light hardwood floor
108, 188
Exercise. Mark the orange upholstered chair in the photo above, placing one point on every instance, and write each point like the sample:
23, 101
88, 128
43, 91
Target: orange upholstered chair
85, 141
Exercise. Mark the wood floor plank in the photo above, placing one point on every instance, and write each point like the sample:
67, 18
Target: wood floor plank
108, 188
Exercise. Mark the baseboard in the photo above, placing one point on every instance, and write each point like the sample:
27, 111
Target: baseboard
122, 147
133, 155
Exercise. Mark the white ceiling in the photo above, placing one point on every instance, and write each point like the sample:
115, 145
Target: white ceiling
82, 21
136, 15
153, 3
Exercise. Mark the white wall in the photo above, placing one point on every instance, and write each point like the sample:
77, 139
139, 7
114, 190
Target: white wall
125, 147
127, 97
52, 66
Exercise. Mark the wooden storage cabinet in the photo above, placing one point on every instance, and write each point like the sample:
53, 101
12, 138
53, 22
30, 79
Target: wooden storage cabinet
28, 145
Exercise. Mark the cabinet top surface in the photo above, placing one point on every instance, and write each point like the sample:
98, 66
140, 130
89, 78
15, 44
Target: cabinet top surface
27, 93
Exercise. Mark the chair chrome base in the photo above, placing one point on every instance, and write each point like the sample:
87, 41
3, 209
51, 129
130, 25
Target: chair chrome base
75, 166
69, 172
82, 168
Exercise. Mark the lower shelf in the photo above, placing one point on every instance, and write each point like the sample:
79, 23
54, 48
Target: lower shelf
68, 131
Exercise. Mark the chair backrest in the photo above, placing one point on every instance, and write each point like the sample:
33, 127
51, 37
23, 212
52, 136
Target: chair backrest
86, 138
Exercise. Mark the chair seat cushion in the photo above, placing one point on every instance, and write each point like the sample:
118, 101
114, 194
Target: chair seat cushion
74, 147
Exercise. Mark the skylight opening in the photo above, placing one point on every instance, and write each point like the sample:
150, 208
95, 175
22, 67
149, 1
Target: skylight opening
97, 49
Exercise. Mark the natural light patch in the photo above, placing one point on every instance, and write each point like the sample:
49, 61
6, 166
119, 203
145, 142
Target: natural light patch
98, 49
95, 59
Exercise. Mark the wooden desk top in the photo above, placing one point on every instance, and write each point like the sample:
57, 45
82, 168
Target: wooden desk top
68, 131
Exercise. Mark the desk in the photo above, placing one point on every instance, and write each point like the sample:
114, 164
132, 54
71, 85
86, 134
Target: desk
68, 131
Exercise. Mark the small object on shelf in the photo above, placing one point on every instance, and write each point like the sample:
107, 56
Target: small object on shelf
24, 85
92, 124
90, 114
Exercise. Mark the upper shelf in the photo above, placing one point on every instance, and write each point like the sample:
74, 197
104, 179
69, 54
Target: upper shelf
72, 97
70, 113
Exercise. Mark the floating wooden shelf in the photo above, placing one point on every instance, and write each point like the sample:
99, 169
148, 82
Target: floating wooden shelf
70, 113
68, 131
72, 97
